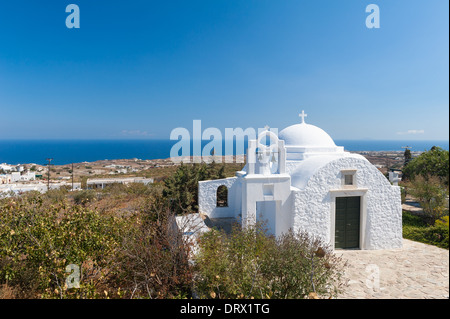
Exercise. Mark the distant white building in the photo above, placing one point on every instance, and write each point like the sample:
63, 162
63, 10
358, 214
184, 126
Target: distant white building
15, 177
101, 183
5, 179
301, 180
28, 176
6, 167
22, 188
68, 185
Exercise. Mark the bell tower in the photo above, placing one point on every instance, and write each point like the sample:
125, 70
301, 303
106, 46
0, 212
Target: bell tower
266, 186
266, 159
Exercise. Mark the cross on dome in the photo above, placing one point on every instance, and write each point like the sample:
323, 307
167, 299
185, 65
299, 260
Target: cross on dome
266, 127
303, 115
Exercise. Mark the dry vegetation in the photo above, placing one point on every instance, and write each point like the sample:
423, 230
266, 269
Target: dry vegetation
125, 244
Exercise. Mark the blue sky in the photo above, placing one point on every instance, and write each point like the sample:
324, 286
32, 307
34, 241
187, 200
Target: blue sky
138, 69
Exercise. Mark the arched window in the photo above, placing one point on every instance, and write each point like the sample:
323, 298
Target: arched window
222, 196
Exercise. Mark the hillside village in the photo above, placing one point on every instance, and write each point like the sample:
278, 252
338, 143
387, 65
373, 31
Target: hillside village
34, 177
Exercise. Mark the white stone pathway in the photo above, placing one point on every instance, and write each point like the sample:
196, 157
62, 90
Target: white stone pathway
417, 271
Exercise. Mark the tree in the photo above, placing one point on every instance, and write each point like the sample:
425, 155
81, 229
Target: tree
181, 189
431, 195
434, 162
407, 156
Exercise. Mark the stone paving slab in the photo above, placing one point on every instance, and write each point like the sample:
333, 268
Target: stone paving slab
416, 271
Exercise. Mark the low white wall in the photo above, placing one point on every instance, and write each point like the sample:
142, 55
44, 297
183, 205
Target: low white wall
207, 198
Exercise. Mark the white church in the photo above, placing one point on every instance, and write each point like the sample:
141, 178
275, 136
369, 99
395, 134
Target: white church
301, 180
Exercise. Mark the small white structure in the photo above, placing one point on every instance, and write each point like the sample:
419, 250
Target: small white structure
15, 177
22, 188
394, 177
191, 226
5, 167
28, 176
101, 183
302, 181
5, 179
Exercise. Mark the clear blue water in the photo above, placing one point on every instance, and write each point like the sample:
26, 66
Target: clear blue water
76, 151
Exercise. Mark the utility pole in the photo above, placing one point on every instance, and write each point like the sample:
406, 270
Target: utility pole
49, 160
72, 177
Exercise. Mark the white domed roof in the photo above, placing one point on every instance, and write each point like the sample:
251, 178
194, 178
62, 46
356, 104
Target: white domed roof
306, 135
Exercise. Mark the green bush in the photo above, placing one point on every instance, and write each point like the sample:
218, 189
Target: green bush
249, 264
403, 194
152, 261
411, 220
443, 221
135, 255
84, 196
431, 194
415, 228
57, 195
39, 239
182, 187
434, 162
139, 189
433, 235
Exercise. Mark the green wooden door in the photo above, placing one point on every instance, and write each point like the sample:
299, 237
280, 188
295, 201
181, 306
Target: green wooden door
347, 222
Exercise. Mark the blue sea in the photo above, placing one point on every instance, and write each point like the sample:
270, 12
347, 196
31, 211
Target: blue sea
77, 151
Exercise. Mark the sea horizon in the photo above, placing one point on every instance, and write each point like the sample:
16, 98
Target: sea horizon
26, 151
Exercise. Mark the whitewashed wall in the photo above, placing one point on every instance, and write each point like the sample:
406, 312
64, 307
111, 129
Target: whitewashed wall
254, 192
207, 198
383, 215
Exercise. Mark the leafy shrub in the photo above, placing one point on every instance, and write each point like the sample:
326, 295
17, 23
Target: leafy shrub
139, 189
434, 162
182, 187
403, 194
412, 220
119, 190
152, 261
431, 194
442, 222
250, 264
415, 228
57, 195
38, 239
433, 235
84, 196
136, 254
